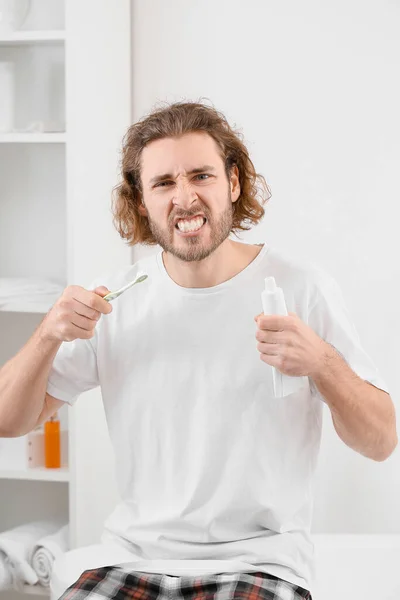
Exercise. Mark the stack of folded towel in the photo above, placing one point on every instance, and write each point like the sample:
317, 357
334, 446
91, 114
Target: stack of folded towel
36, 292
27, 553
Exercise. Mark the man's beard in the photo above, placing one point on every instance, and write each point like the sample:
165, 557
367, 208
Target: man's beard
194, 248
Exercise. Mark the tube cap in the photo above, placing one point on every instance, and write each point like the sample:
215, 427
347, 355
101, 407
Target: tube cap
270, 284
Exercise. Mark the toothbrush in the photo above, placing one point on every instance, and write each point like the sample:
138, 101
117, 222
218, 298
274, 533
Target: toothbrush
112, 295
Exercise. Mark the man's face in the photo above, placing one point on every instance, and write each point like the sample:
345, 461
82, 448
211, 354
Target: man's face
187, 196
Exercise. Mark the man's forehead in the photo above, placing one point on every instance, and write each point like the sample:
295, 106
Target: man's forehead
182, 154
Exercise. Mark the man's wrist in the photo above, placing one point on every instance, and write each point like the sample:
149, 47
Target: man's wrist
45, 341
328, 356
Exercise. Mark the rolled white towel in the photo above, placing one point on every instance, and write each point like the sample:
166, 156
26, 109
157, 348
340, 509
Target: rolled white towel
46, 551
17, 546
6, 578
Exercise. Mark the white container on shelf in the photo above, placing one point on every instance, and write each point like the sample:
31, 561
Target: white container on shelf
7, 96
13, 14
14, 453
27, 452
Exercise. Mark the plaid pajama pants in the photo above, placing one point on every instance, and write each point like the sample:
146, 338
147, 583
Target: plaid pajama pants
116, 584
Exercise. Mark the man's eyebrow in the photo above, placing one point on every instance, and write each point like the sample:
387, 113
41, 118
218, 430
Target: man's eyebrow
204, 168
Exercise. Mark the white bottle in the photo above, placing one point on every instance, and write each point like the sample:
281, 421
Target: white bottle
273, 302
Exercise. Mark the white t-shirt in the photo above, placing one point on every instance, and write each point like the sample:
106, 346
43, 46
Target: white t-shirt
215, 474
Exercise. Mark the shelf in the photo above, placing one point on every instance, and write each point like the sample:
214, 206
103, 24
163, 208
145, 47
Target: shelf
33, 138
36, 590
17, 38
25, 307
28, 295
32, 590
39, 474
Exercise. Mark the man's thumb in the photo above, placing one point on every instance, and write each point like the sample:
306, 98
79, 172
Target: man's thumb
101, 291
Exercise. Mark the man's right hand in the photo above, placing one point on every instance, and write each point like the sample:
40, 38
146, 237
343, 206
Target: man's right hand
75, 314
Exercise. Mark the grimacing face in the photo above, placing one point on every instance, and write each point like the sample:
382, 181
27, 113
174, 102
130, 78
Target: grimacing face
187, 196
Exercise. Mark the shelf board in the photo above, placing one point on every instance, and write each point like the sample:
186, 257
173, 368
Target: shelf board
38, 474
25, 307
33, 138
28, 295
36, 590
17, 38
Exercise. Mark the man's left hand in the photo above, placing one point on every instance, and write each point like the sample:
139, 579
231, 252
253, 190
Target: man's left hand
287, 343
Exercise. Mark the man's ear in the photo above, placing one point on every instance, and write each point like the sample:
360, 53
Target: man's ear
234, 183
142, 209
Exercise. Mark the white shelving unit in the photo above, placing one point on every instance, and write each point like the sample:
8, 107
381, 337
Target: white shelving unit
35, 590
33, 138
73, 75
33, 37
37, 474
25, 307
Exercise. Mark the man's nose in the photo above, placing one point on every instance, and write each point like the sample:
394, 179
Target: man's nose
184, 195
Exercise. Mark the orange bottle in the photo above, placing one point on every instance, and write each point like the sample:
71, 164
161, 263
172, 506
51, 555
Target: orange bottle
52, 443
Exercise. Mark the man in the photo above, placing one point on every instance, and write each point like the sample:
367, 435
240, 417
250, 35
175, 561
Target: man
215, 472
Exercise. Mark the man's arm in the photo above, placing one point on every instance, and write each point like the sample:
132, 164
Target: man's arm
23, 383
24, 402
363, 415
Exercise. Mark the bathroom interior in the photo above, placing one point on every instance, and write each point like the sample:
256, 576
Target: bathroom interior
314, 86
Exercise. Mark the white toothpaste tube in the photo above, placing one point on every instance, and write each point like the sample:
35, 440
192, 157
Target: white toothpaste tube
273, 302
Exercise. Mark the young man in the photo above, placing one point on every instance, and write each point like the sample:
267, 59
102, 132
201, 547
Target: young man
215, 472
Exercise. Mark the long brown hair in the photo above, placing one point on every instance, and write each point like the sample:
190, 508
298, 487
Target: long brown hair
173, 121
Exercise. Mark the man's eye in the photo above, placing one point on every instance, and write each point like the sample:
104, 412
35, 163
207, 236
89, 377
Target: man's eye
163, 184
202, 175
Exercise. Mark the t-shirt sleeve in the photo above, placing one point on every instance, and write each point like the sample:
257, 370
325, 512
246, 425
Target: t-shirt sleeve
74, 370
330, 319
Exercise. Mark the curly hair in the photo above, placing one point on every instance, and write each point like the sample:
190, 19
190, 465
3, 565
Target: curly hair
175, 120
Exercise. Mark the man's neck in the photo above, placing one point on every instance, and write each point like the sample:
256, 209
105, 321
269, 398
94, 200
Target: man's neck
224, 263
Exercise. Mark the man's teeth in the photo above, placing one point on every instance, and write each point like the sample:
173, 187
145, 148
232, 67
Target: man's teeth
192, 225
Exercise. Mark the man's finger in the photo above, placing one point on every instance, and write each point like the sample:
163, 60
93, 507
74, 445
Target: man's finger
272, 322
271, 360
268, 349
102, 291
270, 337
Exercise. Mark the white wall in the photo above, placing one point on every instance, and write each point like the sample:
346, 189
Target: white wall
98, 65
314, 86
